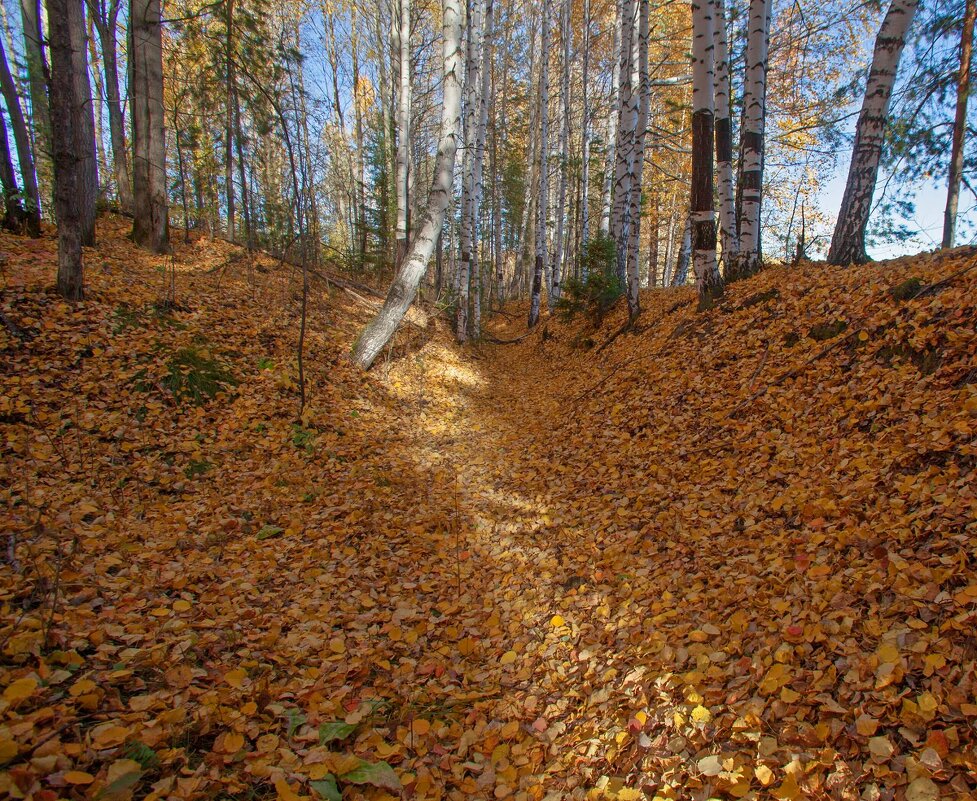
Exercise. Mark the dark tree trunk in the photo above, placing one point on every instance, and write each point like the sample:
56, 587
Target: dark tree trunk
66, 112
84, 129
14, 216
959, 126
150, 225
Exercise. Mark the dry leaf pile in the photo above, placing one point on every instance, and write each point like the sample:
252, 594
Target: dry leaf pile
728, 555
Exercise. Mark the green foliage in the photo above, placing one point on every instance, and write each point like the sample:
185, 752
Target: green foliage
143, 754
193, 375
597, 294
302, 437
196, 468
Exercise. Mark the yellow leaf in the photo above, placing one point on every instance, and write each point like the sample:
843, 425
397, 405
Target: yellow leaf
337, 645
556, 621
182, 606
922, 789
78, 777
508, 658
420, 727
510, 730
866, 725
285, 793
236, 677
888, 654
8, 750
701, 715
19, 690
764, 775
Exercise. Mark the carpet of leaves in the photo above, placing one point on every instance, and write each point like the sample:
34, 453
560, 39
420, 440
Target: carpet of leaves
724, 555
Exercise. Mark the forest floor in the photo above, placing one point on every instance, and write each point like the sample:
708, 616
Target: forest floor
725, 555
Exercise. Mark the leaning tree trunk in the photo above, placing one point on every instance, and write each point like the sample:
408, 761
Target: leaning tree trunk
150, 226
848, 241
85, 130
724, 140
67, 110
404, 287
959, 125
542, 201
751, 148
32, 208
707, 281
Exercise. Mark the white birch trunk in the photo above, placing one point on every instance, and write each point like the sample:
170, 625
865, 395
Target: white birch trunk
724, 140
585, 134
751, 170
542, 203
703, 228
633, 221
555, 287
610, 136
404, 287
400, 28
848, 241
624, 149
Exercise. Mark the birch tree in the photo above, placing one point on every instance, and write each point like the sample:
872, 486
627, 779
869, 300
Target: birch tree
624, 147
400, 28
633, 222
404, 287
553, 294
752, 142
724, 140
542, 201
610, 136
707, 281
150, 226
585, 136
848, 240
959, 125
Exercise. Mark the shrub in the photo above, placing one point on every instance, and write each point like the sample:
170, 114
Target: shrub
597, 294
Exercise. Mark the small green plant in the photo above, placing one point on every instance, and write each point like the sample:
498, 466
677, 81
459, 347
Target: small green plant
196, 468
303, 438
266, 363
597, 294
193, 375
125, 317
143, 754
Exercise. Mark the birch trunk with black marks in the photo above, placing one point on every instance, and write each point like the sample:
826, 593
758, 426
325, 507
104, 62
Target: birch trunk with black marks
31, 206
553, 294
633, 222
848, 240
66, 112
624, 147
150, 224
610, 136
470, 94
542, 199
726, 191
959, 125
400, 28
404, 287
680, 274
485, 59
751, 144
707, 281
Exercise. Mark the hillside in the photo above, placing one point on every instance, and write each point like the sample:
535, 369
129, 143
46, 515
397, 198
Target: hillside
727, 555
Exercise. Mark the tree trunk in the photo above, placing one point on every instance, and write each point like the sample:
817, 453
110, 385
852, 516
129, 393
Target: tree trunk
542, 201
31, 208
404, 287
680, 275
105, 20
471, 115
751, 160
230, 81
848, 241
633, 223
485, 57
624, 149
553, 291
37, 83
402, 70
14, 216
85, 130
959, 125
585, 136
707, 281
724, 140
67, 109
610, 136
150, 225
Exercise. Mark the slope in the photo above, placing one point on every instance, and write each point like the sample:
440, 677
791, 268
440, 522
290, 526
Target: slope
718, 558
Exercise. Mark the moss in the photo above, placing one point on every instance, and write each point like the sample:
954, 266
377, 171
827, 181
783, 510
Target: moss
907, 290
194, 376
825, 331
